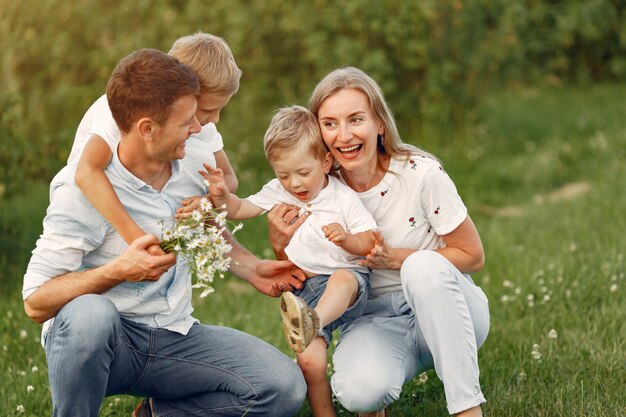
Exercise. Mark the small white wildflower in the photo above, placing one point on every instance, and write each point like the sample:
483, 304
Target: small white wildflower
573, 247
20, 409
521, 377
552, 334
507, 284
23, 334
34, 369
613, 288
21, 373
536, 355
546, 298
30, 389
423, 377
505, 298
518, 290
205, 204
196, 215
568, 293
5, 348
10, 314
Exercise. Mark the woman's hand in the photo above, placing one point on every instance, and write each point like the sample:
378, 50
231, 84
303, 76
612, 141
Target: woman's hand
283, 221
383, 256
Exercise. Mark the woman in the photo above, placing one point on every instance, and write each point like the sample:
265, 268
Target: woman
424, 310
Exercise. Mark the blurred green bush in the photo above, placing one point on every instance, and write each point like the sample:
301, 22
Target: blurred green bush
433, 58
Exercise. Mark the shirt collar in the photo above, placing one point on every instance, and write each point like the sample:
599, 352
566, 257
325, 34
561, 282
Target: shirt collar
117, 168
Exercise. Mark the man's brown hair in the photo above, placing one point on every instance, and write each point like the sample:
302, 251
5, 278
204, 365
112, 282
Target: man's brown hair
146, 83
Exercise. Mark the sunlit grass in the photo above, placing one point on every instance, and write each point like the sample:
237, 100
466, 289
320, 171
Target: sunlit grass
544, 179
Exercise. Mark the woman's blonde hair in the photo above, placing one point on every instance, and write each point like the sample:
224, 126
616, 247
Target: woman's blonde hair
351, 77
210, 57
292, 129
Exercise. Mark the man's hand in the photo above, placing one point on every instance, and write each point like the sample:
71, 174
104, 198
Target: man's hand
274, 277
137, 264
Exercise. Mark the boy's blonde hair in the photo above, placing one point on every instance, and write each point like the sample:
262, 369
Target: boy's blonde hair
210, 57
294, 129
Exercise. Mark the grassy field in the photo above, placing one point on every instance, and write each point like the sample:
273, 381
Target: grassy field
543, 175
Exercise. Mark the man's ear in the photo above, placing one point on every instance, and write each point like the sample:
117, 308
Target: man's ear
145, 128
328, 162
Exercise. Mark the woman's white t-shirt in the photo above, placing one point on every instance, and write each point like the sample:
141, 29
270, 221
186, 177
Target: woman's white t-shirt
414, 204
98, 120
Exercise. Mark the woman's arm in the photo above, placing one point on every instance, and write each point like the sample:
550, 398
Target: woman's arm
96, 186
283, 221
463, 249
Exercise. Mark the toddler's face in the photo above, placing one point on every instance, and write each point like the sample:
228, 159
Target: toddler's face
303, 176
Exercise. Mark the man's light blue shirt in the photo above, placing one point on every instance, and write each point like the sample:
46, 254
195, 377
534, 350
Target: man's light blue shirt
76, 237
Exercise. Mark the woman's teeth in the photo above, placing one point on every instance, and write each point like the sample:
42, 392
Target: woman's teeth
349, 148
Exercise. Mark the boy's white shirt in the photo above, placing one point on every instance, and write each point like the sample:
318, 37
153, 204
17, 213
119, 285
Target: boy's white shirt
309, 249
98, 120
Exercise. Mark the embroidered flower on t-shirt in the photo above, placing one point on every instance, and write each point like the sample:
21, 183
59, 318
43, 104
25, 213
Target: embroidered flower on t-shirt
413, 164
382, 193
412, 221
437, 209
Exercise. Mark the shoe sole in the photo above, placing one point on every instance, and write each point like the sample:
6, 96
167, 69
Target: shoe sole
293, 323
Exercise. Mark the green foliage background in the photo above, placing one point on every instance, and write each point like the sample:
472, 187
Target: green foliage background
433, 58
522, 100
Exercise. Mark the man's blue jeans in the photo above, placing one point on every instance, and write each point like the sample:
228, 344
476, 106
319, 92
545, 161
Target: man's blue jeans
211, 371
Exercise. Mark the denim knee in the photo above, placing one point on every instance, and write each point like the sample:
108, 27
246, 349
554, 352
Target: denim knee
284, 388
89, 320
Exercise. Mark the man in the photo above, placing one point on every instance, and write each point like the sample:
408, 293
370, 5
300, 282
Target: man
117, 319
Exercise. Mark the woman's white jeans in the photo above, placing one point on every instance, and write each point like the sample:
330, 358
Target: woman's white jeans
439, 320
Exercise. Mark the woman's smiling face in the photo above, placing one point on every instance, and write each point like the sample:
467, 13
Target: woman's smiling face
350, 129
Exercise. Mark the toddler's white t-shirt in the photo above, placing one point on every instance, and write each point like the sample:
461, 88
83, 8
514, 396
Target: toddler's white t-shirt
308, 248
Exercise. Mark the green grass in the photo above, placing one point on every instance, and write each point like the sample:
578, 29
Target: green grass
555, 260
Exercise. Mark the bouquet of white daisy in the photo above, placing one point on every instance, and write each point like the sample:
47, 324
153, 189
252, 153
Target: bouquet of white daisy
198, 240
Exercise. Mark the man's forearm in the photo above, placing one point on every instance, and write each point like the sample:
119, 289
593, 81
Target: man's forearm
50, 297
243, 262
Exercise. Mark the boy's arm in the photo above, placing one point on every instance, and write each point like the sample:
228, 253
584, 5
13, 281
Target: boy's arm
236, 207
230, 178
358, 243
96, 186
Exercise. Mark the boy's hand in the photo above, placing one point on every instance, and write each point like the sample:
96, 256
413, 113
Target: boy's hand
215, 181
336, 234
188, 206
